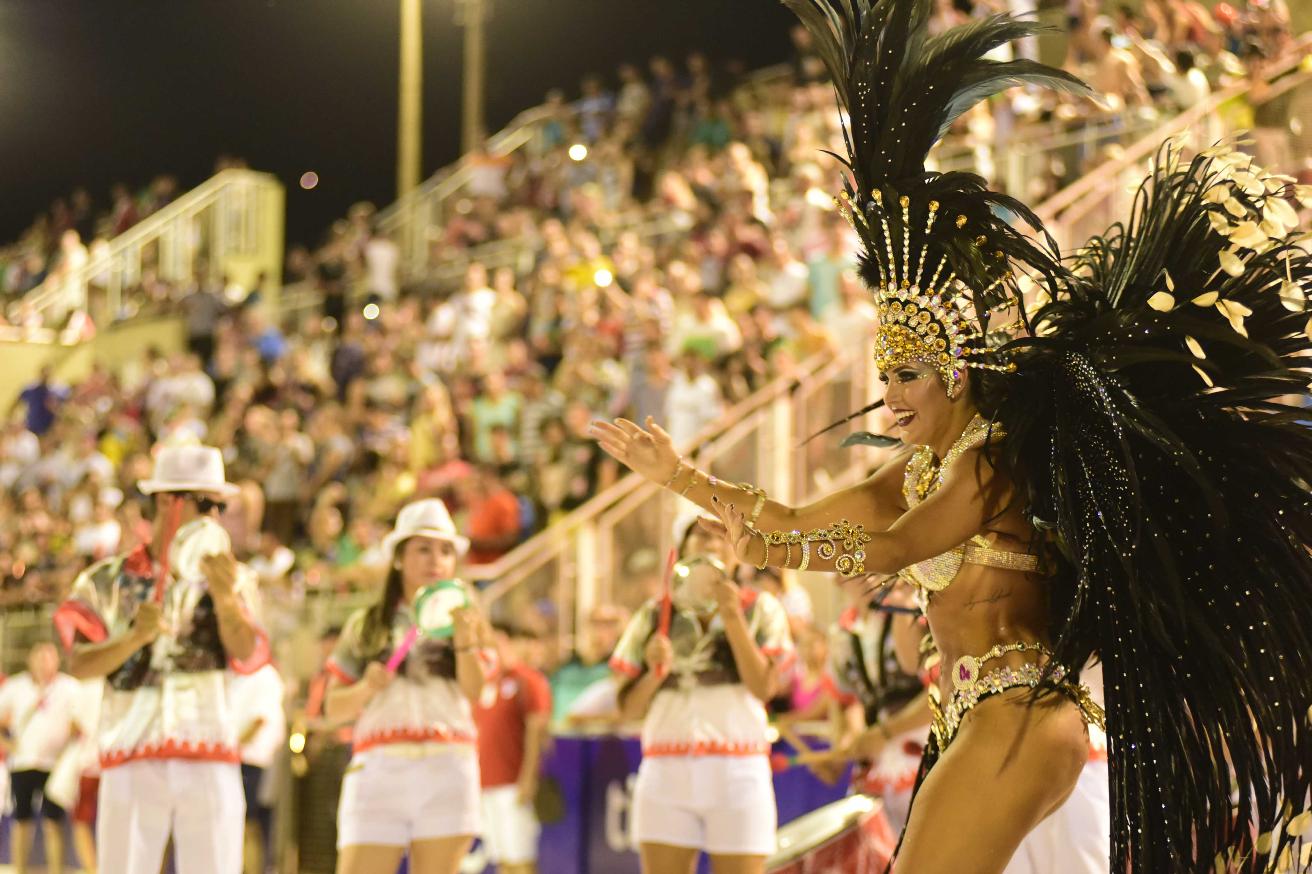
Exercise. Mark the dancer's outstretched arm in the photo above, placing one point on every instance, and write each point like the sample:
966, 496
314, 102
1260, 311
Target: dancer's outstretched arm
970, 497
875, 503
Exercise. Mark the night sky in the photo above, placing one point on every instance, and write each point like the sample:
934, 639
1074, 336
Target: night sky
98, 91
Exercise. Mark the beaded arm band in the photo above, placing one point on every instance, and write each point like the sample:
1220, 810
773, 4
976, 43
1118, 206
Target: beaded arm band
842, 543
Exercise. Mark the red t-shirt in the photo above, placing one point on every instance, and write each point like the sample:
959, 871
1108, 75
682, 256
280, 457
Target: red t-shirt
493, 518
508, 699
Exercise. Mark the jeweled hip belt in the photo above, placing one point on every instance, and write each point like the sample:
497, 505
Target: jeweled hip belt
972, 685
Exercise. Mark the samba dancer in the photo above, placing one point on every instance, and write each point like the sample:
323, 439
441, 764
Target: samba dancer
1117, 481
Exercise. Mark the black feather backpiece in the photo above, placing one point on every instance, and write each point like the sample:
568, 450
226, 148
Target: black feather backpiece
1145, 423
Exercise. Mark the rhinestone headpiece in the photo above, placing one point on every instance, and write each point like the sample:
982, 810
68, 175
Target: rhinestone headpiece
921, 318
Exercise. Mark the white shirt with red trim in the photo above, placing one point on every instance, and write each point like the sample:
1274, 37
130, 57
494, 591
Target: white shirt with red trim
39, 719
169, 700
703, 710
422, 705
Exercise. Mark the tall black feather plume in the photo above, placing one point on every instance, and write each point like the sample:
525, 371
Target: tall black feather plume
1176, 487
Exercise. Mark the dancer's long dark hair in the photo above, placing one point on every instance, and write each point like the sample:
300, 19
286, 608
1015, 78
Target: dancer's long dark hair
376, 627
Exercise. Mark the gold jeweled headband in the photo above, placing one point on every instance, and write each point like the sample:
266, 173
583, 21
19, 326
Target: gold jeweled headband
920, 321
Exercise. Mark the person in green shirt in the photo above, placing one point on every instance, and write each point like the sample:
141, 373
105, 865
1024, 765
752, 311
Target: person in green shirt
586, 667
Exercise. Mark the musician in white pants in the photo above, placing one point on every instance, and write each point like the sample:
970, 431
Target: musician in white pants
162, 629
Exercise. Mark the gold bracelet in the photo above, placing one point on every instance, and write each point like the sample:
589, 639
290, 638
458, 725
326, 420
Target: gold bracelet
788, 555
806, 555
760, 501
692, 479
678, 468
765, 557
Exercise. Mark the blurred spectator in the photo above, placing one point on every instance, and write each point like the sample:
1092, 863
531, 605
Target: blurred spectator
37, 712
382, 264
812, 688
202, 309
493, 515
272, 561
42, 399
512, 717
1120, 75
791, 595
86, 723
262, 731
827, 268
496, 405
583, 690
1271, 114
852, 322
693, 400
1190, 86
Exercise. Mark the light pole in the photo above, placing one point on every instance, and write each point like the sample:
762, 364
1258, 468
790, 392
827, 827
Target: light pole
472, 15
409, 128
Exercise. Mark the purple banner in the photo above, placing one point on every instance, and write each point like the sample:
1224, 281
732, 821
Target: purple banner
596, 776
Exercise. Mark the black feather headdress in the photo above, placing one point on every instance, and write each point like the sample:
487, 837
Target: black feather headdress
938, 248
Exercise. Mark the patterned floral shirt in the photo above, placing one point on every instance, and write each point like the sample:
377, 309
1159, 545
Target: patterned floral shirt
702, 708
423, 705
168, 700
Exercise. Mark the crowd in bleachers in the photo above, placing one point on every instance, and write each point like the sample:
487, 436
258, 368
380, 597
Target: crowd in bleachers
481, 394
675, 249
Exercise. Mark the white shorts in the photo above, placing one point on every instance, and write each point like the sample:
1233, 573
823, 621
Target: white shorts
510, 828
723, 805
1076, 837
390, 799
141, 802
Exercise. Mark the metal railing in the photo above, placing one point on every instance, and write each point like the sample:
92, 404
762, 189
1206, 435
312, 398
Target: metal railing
1037, 152
1092, 203
232, 224
411, 220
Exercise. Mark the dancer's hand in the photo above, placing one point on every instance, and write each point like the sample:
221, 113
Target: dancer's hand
469, 631
732, 526
220, 574
648, 452
378, 677
870, 745
728, 598
659, 653
148, 623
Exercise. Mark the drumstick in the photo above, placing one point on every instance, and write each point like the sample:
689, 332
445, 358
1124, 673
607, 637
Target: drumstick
403, 650
170, 530
667, 604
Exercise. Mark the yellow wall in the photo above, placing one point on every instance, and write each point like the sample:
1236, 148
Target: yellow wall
20, 361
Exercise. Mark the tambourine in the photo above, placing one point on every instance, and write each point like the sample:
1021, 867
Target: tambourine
435, 608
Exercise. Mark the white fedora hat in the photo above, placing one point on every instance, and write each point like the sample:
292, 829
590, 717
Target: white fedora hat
426, 518
188, 468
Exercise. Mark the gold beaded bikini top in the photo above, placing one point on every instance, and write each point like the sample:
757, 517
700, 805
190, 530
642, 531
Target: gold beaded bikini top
922, 479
